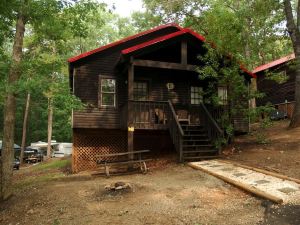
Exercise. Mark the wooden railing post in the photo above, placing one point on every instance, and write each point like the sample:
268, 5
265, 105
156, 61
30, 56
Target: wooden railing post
214, 131
130, 128
180, 150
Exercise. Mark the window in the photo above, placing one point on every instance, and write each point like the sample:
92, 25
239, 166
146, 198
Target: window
196, 95
222, 94
108, 92
140, 90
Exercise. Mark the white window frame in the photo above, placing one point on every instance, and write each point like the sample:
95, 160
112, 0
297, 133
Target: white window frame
197, 95
223, 95
108, 92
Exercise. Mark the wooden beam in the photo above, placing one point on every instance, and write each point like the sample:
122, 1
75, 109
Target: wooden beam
243, 186
130, 81
164, 65
184, 52
130, 109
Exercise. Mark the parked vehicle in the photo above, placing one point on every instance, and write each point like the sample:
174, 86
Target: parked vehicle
16, 164
33, 155
278, 115
17, 149
62, 149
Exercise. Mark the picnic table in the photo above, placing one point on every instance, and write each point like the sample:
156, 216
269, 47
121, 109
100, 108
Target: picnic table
129, 158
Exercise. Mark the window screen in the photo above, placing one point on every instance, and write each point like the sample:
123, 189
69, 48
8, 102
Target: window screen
196, 95
140, 91
108, 92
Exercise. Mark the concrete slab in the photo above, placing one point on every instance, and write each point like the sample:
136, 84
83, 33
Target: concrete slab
271, 187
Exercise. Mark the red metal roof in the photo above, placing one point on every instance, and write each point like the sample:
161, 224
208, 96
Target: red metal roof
172, 35
243, 68
151, 42
85, 54
274, 63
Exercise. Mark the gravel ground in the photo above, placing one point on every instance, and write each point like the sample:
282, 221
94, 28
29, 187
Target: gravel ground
176, 194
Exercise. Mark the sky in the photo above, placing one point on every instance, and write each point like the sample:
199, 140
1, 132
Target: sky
125, 7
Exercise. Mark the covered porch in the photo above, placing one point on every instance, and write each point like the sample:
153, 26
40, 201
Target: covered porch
164, 92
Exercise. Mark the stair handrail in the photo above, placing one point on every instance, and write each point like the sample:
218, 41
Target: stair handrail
213, 122
174, 115
175, 130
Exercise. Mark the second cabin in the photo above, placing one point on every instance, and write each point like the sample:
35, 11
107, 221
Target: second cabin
143, 92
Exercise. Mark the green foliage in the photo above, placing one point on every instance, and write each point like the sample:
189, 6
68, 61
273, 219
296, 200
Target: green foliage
278, 77
145, 20
261, 115
55, 164
252, 30
55, 31
218, 69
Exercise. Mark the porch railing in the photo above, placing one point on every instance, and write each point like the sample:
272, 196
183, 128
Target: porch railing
161, 115
213, 130
175, 129
149, 114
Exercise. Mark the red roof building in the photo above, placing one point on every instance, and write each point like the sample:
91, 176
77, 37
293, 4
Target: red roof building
143, 92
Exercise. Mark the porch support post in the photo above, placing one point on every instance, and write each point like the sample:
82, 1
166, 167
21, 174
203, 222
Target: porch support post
184, 52
130, 118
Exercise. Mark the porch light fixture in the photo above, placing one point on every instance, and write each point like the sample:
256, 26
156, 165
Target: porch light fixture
170, 86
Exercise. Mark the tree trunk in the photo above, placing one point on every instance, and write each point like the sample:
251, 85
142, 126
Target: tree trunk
295, 37
50, 116
10, 112
24, 128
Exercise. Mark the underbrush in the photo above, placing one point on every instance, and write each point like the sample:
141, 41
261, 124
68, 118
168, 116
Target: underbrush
53, 164
38, 174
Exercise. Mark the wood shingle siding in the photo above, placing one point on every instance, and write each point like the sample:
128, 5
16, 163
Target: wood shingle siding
104, 118
276, 93
86, 83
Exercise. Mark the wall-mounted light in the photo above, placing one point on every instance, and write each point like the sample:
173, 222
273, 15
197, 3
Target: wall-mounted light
170, 86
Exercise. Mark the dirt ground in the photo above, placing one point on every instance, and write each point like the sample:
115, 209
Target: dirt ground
176, 194
170, 193
280, 154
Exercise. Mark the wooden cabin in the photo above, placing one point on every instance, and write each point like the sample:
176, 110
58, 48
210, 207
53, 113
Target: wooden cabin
142, 92
281, 95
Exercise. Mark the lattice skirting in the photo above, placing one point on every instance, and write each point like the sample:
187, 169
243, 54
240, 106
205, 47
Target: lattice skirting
87, 143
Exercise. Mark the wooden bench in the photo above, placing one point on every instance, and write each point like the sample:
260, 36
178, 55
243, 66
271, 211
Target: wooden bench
132, 158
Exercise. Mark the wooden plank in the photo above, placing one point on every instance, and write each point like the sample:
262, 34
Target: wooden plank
164, 65
123, 162
245, 187
184, 52
123, 153
130, 110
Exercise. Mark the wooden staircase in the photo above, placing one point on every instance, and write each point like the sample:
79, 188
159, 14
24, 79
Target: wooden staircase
196, 144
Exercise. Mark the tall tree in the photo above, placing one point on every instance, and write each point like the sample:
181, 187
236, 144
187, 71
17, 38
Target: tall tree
35, 12
293, 26
249, 29
24, 130
10, 105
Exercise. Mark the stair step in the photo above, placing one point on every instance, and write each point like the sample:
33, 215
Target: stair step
192, 126
196, 143
195, 135
201, 151
191, 132
201, 157
195, 140
204, 138
209, 145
